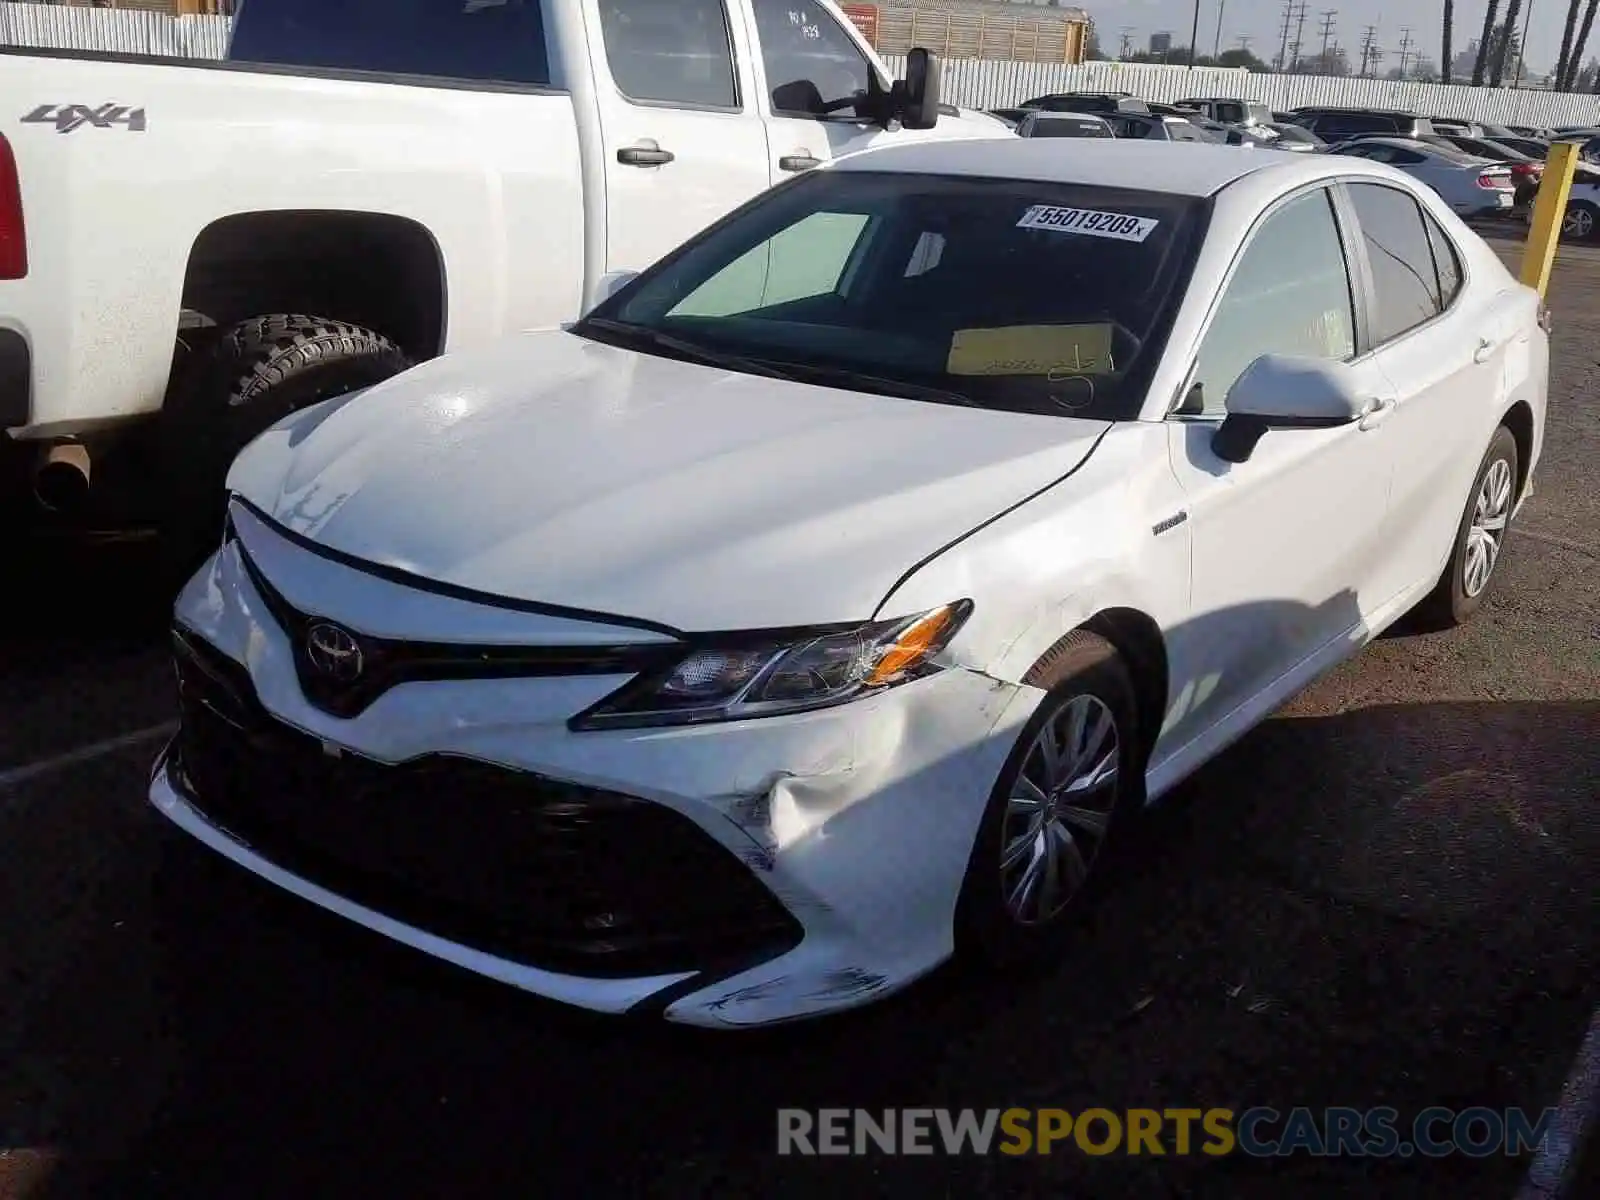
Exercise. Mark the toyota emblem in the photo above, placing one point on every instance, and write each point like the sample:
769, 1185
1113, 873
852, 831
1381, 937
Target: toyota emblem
334, 652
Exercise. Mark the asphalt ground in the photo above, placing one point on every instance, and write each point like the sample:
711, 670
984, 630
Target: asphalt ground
1386, 895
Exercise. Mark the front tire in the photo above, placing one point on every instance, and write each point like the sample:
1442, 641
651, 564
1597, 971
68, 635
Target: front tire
1066, 791
244, 380
1581, 222
1480, 539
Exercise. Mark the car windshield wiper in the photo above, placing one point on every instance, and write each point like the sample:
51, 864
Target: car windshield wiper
903, 388
684, 349
794, 372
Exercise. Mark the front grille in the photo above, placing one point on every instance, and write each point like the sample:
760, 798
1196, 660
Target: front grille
387, 662
530, 869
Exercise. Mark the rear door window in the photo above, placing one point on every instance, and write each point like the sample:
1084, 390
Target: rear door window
671, 52
1405, 280
479, 40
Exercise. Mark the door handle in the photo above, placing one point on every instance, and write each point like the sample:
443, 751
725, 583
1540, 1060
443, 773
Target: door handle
1378, 413
1486, 347
644, 156
798, 162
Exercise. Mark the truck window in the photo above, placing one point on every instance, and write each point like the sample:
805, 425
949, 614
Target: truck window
484, 40
673, 52
813, 66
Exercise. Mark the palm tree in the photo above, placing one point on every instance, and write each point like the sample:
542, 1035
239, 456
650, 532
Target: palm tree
1566, 43
1447, 26
1578, 45
1508, 31
1484, 39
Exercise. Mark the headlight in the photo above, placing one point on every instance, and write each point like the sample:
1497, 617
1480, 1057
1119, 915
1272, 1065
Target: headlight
729, 679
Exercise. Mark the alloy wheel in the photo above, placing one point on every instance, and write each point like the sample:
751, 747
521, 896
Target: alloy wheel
1579, 223
1486, 534
1060, 809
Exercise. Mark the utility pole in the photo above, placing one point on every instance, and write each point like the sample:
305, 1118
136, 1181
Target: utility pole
1329, 15
1522, 46
1299, 33
1369, 38
1244, 42
1405, 49
1283, 49
1216, 42
1125, 48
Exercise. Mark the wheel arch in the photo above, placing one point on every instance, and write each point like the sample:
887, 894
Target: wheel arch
376, 270
1138, 638
1519, 420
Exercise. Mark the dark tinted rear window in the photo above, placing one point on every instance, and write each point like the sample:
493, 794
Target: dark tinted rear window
1069, 128
500, 40
1354, 123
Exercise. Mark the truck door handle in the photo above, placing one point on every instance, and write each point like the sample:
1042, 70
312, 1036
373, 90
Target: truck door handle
644, 156
798, 162
1486, 347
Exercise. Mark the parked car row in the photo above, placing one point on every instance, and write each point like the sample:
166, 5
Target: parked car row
1480, 168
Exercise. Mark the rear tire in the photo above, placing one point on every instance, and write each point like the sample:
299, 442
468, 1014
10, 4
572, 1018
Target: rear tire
1090, 701
1480, 540
236, 384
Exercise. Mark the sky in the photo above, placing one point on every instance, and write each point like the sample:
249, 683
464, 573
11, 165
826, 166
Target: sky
1262, 22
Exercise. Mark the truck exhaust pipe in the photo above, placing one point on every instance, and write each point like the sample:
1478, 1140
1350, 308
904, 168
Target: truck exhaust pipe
61, 484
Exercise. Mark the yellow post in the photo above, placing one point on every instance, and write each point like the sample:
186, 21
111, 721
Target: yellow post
1549, 210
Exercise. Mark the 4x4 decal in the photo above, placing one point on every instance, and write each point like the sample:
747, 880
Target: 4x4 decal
68, 117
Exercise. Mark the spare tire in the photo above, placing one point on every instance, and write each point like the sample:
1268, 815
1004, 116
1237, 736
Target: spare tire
250, 377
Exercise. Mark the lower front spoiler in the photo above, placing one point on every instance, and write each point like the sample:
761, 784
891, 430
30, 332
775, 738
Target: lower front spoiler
796, 985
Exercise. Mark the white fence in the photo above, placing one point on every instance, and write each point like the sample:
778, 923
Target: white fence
975, 83
123, 30
997, 84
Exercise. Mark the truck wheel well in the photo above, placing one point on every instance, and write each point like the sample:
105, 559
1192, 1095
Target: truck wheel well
1138, 639
369, 269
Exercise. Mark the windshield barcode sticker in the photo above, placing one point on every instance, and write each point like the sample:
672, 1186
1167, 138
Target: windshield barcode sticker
1121, 226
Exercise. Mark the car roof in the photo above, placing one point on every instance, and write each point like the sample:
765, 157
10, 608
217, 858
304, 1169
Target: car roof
1177, 168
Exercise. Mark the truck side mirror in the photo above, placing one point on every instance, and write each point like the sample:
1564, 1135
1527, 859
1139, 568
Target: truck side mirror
919, 91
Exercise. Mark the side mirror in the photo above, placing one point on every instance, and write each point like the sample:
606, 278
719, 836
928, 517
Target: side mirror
610, 284
919, 92
1285, 391
801, 96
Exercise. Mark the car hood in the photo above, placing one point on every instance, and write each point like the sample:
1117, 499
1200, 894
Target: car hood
554, 469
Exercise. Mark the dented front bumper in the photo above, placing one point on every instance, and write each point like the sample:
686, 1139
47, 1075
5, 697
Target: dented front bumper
859, 819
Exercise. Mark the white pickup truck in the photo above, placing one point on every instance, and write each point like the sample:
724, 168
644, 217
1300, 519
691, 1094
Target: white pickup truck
365, 185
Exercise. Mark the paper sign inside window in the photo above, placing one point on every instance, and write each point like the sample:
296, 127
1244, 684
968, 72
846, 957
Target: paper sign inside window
1090, 222
1059, 351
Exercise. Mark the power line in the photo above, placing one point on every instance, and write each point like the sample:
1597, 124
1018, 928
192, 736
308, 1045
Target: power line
1329, 16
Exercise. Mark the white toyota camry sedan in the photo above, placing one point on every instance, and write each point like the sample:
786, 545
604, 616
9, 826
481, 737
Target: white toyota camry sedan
822, 604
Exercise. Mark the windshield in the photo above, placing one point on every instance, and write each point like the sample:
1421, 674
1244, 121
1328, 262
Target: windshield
1008, 294
481, 40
